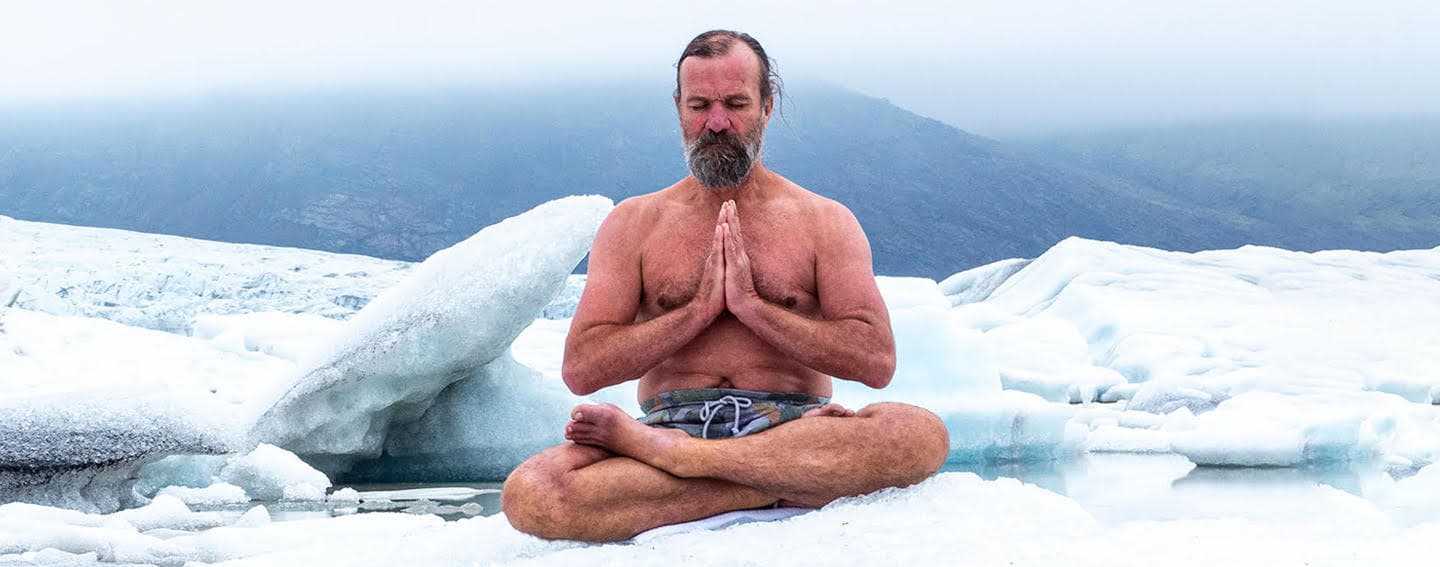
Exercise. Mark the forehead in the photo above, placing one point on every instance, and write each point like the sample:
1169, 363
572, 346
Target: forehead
735, 72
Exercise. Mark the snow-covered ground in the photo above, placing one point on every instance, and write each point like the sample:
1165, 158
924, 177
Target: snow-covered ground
1233, 358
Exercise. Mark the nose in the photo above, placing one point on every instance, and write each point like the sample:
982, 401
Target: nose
716, 119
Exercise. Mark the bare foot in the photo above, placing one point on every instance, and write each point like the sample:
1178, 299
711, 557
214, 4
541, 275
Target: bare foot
830, 410
609, 427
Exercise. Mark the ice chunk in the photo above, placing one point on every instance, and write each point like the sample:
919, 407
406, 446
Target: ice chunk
1266, 429
253, 518
344, 496
216, 494
169, 512
1010, 427
271, 473
458, 311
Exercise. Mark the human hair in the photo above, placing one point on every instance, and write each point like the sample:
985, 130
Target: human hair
715, 43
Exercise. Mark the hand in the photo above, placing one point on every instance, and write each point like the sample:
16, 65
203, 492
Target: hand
740, 293
711, 294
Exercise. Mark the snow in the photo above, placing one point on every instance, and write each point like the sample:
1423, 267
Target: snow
953, 515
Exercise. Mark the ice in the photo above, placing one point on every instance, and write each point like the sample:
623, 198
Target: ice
216, 494
168, 512
1048, 357
976, 284
953, 517
182, 471
935, 358
83, 452
90, 402
481, 427
163, 282
1340, 338
273, 474
291, 336
456, 313
1267, 429
564, 304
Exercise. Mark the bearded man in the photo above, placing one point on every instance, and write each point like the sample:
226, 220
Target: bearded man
734, 334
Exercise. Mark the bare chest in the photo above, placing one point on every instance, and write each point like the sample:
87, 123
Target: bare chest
781, 254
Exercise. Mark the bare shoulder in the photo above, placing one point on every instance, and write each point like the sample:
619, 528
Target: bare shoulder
830, 221
627, 222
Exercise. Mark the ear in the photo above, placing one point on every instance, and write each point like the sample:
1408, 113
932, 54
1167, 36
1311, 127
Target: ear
769, 108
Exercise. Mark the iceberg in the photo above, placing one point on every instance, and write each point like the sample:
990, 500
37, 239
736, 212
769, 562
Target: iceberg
457, 313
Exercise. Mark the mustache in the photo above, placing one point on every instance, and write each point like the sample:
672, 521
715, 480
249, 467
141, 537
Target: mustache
710, 138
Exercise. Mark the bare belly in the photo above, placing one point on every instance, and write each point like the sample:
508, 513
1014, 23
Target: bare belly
729, 355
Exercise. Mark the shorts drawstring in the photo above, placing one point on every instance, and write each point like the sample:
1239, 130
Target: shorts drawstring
712, 408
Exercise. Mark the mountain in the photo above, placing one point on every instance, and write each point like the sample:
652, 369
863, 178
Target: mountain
1359, 184
400, 173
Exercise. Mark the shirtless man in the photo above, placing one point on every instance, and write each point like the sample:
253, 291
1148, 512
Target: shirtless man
734, 330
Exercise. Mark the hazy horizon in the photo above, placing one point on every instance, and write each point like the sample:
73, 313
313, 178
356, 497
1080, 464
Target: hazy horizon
999, 71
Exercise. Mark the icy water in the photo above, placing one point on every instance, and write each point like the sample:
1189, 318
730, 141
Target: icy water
1114, 488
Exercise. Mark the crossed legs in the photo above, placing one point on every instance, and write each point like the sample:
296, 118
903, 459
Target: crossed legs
621, 477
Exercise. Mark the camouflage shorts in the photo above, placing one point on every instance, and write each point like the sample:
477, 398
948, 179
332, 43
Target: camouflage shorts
718, 413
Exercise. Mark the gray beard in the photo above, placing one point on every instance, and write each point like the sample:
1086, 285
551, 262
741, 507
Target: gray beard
722, 161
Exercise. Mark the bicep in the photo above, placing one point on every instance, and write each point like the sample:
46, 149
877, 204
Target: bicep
612, 285
844, 274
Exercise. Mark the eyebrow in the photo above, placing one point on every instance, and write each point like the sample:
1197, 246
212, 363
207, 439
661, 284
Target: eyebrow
729, 99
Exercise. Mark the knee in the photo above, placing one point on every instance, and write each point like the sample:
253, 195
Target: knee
920, 435
533, 499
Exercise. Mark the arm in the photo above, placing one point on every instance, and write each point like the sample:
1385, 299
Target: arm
852, 338
605, 345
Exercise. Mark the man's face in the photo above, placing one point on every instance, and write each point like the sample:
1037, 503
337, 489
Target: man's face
722, 118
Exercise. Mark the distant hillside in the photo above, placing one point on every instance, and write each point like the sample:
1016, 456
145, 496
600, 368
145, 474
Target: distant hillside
1369, 185
400, 174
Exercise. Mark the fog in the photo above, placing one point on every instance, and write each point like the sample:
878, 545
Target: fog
1000, 69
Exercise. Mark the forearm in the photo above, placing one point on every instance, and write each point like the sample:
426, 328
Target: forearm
847, 348
608, 354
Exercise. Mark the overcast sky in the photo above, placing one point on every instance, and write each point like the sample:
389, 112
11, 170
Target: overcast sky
996, 68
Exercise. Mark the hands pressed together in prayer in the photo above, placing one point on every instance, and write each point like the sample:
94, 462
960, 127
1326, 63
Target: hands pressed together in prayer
727, 282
